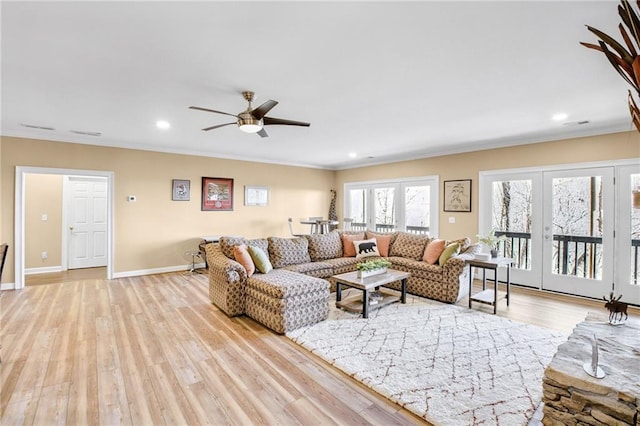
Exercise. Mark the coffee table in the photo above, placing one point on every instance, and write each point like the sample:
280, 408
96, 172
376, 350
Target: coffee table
367, 285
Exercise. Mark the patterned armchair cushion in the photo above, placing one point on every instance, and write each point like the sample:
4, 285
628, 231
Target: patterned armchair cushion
409, 245
288, 251
465, 243
324, 246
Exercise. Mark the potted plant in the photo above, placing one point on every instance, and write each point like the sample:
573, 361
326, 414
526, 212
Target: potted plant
372, 267
491, 241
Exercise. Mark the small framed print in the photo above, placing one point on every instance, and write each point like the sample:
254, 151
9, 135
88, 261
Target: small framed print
217, 194
256, 195
181, 190
457, 195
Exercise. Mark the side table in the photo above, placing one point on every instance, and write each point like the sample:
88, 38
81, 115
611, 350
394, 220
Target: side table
203, 242
487, 296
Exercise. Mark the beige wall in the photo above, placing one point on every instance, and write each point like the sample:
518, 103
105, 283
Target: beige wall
43, 195
468, 166
155, 231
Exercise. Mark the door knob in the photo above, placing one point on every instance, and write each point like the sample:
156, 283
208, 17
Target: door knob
71, 228
546, 237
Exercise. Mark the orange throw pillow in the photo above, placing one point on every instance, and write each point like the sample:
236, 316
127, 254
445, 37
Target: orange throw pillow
348, 248
242, 256
433, 251
384, 242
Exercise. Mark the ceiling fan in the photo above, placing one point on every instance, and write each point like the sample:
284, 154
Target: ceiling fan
253, 120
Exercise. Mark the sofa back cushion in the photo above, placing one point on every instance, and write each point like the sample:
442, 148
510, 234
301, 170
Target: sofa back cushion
384, 241
288, 251
348, 249
409, 245
228, 243
324, 246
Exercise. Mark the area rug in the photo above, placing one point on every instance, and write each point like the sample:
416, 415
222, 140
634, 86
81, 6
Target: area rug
447, 364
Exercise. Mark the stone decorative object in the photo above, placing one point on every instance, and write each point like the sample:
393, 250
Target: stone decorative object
573, 397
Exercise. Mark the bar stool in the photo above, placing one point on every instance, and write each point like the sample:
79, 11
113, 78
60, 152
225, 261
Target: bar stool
194, 254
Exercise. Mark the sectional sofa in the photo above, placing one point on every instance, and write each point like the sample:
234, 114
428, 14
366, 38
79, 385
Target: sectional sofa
295, 289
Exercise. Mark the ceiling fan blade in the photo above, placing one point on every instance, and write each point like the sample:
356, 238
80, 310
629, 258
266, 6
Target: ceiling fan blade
271, 120
263, 109
212, 110
217, 126
263, 133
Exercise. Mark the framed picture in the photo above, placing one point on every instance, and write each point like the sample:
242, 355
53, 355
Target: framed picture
256, 195
217, 194
457, 195
181, 190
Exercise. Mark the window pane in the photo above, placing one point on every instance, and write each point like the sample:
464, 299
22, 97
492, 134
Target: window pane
358, 203
385, 213
511, 216
417, 209
577, 226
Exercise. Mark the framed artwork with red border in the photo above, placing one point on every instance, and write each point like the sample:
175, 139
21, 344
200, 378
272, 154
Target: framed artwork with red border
217, 194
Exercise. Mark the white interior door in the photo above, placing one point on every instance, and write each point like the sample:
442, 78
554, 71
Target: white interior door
86, 221
578, 225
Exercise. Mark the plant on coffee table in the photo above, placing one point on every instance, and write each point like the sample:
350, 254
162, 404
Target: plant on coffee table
372, 267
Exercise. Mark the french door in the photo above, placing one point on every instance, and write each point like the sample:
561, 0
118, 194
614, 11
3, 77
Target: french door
573, 231
578, 211
408, 205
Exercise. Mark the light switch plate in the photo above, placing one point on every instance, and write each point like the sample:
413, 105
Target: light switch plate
452, 219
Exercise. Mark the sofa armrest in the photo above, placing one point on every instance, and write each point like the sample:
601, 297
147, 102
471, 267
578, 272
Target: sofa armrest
222, 266
227, 281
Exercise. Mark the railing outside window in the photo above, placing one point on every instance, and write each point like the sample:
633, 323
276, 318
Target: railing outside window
573, 255
380, 227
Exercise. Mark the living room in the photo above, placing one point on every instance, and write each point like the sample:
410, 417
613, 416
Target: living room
151, 233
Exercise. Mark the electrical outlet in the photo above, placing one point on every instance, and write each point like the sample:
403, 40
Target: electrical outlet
452, 219
44, 255
45, 217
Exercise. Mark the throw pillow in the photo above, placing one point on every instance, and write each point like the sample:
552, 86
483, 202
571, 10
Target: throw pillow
348, 248
433, 251
260, 259
384, 241
366, 248
451, 250
228, 243
243, 257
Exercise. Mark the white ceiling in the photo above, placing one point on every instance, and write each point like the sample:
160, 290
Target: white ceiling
387, 80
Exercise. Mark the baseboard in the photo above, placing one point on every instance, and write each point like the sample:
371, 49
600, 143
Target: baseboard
7, 286
43, 270
153, 271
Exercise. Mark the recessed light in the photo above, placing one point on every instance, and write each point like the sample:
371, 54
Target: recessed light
352, 155
560, 116
164, 125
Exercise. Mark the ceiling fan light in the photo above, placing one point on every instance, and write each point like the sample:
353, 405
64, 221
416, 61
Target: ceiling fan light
248, 124
250, 128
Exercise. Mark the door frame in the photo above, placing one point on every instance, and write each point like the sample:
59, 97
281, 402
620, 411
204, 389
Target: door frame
19, 210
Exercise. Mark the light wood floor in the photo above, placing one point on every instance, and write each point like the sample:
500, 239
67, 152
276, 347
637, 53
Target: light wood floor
66, 276
153, 350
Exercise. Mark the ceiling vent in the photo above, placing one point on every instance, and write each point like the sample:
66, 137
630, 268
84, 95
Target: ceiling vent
86, 133
33, 126
576, 123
